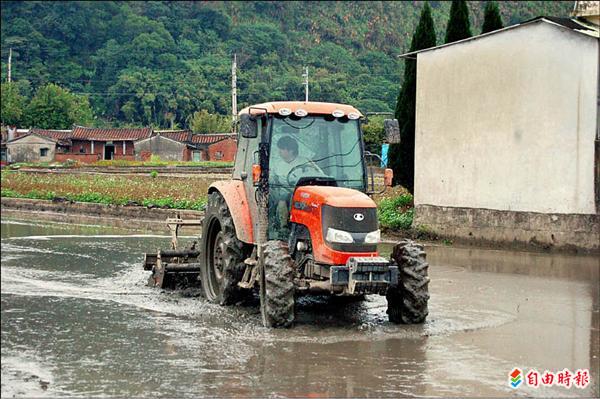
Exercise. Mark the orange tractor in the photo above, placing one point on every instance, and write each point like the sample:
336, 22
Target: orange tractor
296, 218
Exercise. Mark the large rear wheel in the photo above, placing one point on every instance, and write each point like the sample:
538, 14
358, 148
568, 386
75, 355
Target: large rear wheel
407, 302
277, 285
222, 260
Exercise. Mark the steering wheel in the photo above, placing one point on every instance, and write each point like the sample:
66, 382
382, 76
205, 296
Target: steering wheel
311, 165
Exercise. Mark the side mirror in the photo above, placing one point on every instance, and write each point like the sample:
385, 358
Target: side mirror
248, 126
392, 131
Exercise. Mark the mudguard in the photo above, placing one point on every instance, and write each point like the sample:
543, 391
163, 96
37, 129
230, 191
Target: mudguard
235, 197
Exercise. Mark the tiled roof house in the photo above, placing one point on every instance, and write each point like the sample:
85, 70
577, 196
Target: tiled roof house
92, 144
86, 144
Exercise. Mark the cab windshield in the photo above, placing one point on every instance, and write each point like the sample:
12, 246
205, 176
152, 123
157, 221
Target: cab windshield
315, 146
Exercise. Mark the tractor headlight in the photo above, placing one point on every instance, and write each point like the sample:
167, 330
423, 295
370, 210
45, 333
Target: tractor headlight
335, 235
373, 237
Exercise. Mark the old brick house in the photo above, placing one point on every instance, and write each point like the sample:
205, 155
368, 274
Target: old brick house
87, 145
216, 147
93, 144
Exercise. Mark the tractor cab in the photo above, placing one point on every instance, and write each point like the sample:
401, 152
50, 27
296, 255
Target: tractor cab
315, 150
300, 144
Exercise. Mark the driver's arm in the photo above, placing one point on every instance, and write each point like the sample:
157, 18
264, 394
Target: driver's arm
304, 168
309, 167
313, 165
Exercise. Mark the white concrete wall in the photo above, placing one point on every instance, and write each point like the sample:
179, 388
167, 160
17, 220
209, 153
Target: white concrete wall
508, 122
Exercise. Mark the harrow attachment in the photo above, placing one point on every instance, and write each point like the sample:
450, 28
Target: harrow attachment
174, 268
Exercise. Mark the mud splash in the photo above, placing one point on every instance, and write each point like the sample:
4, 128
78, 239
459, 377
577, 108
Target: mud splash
78, 320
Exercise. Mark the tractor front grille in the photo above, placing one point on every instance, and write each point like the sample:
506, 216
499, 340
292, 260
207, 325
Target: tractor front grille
344, 219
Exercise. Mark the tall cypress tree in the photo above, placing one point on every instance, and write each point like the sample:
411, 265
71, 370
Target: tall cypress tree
402, 156
459, 26
491, 17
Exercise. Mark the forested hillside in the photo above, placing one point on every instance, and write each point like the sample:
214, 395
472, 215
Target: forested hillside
156, 63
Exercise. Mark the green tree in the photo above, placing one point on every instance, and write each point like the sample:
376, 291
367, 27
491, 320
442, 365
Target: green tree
53, 107
374, 134
80, 111
332, 57
491, 18
459, 26
143, 62
401, 156
12, 105
204, 122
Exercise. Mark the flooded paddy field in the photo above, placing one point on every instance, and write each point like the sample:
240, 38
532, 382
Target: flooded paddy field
79, 321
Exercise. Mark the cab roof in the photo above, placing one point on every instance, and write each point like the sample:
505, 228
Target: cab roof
311, 107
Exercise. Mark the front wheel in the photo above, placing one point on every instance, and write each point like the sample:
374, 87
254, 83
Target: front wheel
277, 285
407, 302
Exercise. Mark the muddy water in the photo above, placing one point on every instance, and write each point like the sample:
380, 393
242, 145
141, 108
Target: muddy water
77, 320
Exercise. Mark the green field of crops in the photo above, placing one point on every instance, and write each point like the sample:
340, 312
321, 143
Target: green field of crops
151, 190
395, 207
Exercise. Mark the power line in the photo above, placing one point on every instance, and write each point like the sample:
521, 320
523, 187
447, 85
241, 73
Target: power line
146, 79
111, 94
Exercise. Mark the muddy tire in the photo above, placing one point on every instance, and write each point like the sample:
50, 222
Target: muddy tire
407, 302
223, 255
277, 286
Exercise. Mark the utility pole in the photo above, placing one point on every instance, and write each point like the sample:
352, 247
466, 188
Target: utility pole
305, 76
9, 64
234, 92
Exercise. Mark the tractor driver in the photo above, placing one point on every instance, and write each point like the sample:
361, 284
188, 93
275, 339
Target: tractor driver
287, 172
